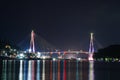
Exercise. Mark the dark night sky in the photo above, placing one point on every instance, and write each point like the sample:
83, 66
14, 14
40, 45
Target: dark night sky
64, 24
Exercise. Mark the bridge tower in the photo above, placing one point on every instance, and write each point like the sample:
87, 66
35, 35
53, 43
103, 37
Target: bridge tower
91, 47
32, 42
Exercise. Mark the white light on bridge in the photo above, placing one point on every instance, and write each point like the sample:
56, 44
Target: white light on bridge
78, 59
38, 54
30, 50
54, 59
21, 55
43, 57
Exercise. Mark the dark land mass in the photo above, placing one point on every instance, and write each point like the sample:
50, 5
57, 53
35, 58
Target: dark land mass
5, 44
112, 51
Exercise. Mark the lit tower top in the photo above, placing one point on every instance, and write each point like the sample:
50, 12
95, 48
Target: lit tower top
91, 47
32, 43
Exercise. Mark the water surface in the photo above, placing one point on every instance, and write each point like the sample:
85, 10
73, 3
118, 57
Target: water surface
58, 70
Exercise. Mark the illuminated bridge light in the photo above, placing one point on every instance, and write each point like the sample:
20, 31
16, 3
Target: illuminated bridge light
38, 55
54, 59
78, 59
21, 55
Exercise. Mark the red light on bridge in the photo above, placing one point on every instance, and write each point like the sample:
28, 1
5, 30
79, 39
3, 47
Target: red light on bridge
58, 53
65, 52
51, 52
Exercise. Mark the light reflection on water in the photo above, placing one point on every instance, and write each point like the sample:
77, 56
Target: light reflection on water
9, 70
47, 70
91, 70
25, 70
4, 70
43, 70
20, 71
38, 70
29, 70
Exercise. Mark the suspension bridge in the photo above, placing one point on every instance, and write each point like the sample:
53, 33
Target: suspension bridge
49, 51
